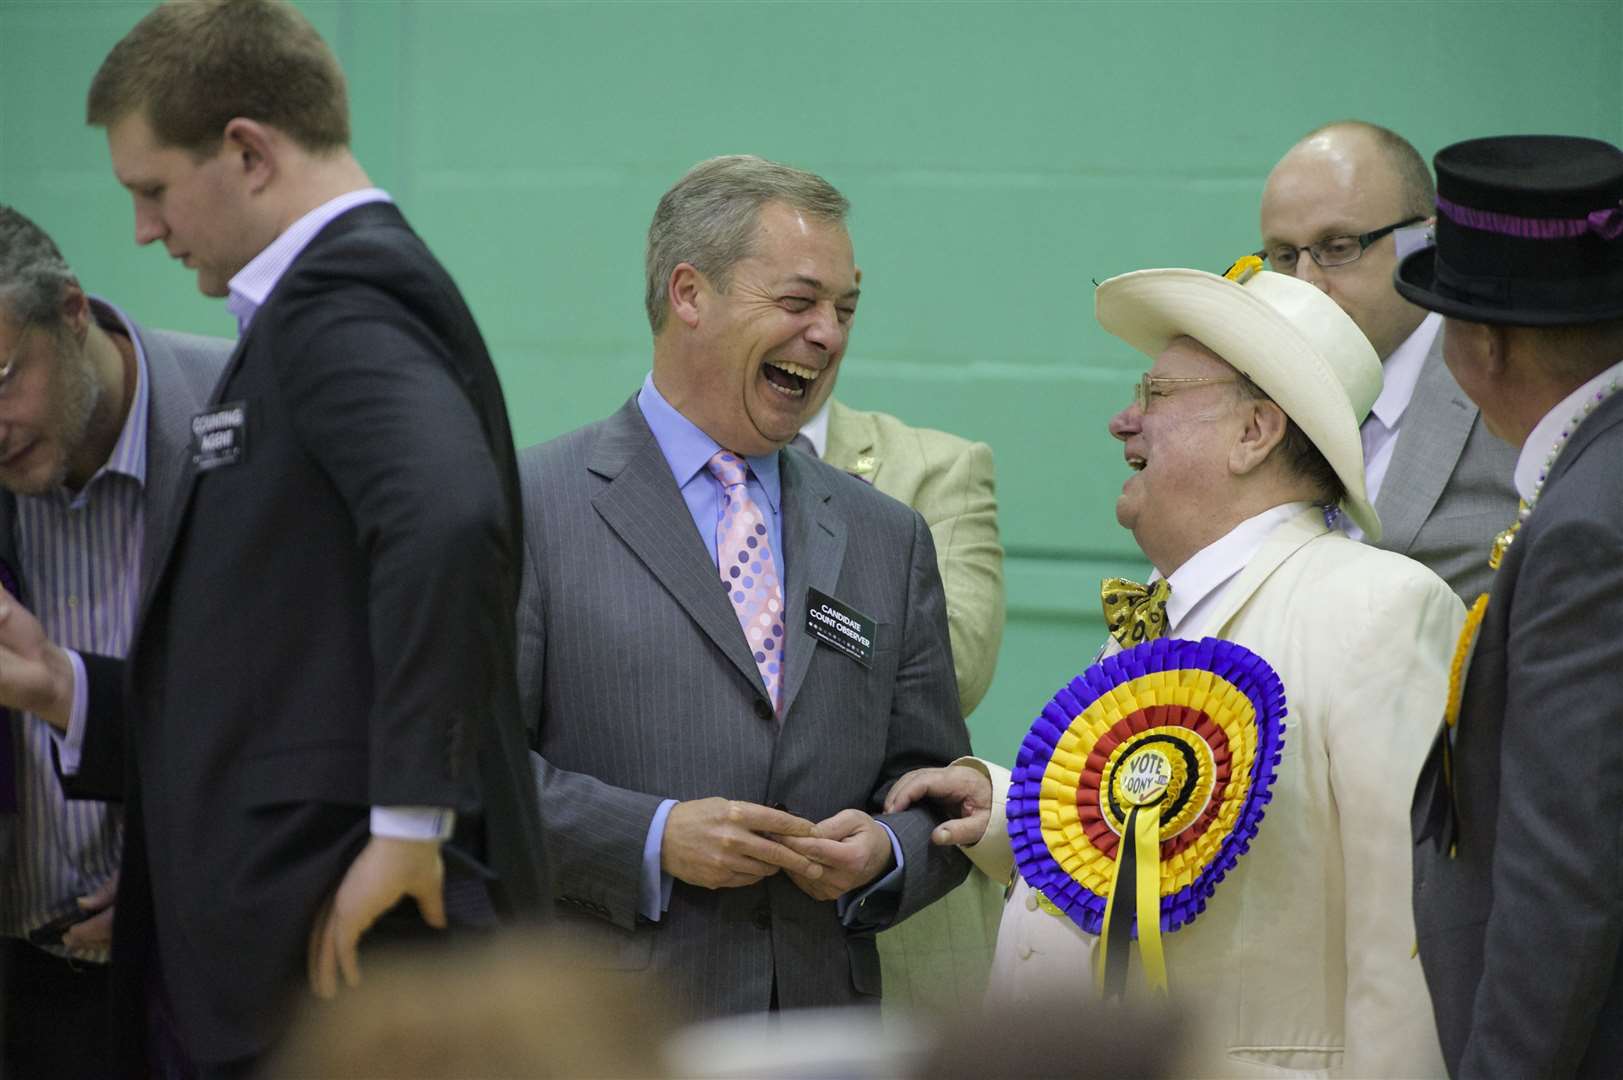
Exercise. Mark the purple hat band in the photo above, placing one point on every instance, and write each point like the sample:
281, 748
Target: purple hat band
1606, 224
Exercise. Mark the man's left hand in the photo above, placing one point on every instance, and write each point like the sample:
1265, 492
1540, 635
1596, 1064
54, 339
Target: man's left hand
852, 848
385, 870
94, 936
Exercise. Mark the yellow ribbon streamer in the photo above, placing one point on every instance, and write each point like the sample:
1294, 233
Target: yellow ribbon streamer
1148, 772
1147, 837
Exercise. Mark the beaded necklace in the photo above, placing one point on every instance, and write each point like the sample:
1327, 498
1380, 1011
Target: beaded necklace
1502, 542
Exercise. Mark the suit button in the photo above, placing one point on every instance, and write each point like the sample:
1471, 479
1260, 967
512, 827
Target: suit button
763, 917
763, 709
1031, 900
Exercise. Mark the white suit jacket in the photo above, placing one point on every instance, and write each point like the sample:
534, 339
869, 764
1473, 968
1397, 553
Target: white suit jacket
1301, 963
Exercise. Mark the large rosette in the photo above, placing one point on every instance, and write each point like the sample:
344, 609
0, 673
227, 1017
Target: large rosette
1173, 741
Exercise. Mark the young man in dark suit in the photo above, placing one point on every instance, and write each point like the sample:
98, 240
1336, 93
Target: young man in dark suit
713, 760
324, 718
1518, 887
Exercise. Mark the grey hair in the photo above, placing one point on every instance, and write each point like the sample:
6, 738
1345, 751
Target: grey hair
1298, 452
32, 271
708, 218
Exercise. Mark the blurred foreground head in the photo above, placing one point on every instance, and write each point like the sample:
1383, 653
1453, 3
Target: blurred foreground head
518, 1006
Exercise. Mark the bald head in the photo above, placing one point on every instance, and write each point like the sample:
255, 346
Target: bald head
1347, 179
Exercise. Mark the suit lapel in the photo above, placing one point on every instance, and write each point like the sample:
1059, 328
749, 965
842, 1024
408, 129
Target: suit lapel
1281, 544
814, 551
1436, 425
644, 508
171, 404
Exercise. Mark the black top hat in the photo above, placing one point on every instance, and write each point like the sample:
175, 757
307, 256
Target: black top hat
1529, 232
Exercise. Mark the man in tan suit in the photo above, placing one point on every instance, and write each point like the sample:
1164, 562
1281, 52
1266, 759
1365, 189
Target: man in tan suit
1300, 962
949, 480
936, 960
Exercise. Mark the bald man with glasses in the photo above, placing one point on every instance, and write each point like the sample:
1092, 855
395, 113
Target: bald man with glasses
1438, 478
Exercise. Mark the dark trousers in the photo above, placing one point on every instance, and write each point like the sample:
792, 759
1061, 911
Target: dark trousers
55, 1015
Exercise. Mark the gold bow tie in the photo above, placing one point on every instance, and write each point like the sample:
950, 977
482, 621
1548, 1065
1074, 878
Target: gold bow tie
1134, 613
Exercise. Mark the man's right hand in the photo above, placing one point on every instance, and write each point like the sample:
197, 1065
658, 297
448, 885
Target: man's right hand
961, 791
723, 843
35, 675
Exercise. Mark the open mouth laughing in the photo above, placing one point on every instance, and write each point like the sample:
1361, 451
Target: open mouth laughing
788, 378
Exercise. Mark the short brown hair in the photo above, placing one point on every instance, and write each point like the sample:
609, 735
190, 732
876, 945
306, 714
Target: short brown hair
708, 218
1297, 451
194, 65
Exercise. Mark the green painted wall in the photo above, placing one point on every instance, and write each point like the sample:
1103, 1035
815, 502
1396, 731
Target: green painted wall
998, 155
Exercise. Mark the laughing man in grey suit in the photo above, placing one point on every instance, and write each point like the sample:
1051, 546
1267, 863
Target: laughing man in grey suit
709, 757
1439, 479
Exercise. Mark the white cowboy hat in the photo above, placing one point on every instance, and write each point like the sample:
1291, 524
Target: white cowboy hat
1281, 333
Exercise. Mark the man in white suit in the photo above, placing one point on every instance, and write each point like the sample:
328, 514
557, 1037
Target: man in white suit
1331, 212
1301, 962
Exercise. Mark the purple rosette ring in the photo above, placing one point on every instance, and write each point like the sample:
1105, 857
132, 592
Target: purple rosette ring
1140, 785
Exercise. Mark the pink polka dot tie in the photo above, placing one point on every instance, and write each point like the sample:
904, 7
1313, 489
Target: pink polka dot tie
750, 573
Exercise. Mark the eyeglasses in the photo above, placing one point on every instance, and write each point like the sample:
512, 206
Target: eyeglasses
1331, 251
8, 371
1154, 386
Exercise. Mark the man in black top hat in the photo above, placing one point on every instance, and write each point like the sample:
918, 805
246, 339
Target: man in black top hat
1518, 869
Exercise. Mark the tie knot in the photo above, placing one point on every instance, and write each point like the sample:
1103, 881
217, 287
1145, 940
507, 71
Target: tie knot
729, 468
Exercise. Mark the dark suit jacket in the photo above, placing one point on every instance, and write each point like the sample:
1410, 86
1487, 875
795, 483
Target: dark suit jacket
1520, 932
635, 672
330, 630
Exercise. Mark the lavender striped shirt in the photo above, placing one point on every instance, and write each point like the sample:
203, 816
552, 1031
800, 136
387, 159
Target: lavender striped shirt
80, 558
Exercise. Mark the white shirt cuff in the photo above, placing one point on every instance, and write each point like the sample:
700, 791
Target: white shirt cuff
413, 822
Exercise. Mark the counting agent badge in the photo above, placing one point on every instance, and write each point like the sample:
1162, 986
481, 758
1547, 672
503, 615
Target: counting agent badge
1140, 785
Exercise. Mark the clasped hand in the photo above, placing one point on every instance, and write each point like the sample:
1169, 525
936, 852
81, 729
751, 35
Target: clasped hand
957, 790
726, 843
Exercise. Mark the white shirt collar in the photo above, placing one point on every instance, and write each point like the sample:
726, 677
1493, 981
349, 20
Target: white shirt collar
816, 430
253, 283
1206, 573
1532, 462
1401, 372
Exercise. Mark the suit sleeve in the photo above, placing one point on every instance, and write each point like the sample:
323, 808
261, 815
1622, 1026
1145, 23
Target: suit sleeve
372, 398
1392, 680
926, 729
960, 506
1554, 931
101, 758
593, 831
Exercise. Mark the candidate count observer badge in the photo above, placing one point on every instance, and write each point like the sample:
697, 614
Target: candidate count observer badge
220, 436
840, 625
1138, 787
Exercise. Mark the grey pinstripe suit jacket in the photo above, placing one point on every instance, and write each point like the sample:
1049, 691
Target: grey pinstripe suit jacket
1447, 491
638, 686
